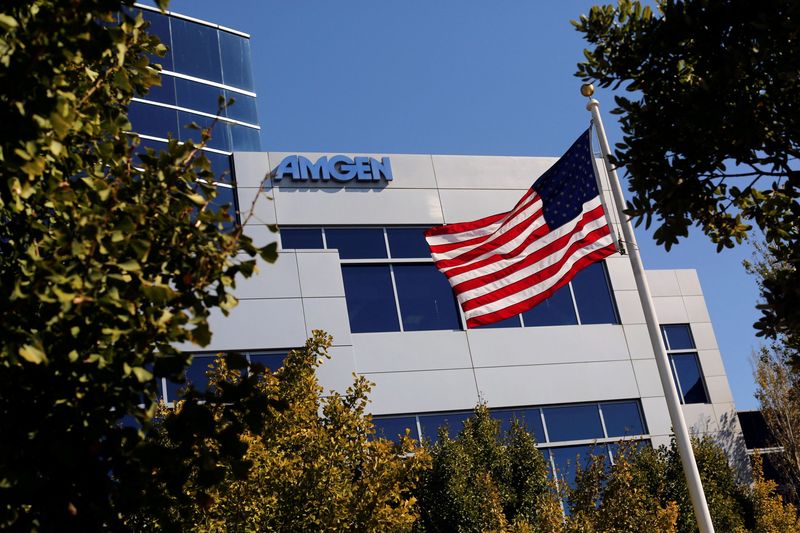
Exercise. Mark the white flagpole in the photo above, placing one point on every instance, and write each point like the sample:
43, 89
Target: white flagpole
682, 439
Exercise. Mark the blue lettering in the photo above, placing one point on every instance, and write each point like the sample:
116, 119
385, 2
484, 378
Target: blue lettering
381, 168
314, 171
341, 168
288, 167
363, 169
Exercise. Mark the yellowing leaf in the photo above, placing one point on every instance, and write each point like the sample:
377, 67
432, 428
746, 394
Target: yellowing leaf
32, 354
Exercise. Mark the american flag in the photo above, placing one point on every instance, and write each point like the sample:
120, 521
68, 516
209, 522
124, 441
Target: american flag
505, 264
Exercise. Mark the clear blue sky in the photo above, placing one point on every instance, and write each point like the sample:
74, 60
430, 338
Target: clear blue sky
452, 77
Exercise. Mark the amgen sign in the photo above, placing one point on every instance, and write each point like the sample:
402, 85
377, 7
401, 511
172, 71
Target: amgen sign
338, 168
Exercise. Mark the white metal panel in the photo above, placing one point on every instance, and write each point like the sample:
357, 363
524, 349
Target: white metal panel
489, 172
329, 315
689, 282
704, 338
700, 417
465, 205
662, 283
260, 234
320, 273
670, 310
550, 344
647, 377
256, 206
409, 171
638, 340
718, 389
656, 414
276, 280
357, 206
711, 362
621, 273
629, 307
696, 310
259, 324
417, 392
548, 384
251, 168
412, 350
336, 373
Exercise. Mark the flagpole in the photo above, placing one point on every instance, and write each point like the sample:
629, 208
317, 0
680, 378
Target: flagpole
682, 439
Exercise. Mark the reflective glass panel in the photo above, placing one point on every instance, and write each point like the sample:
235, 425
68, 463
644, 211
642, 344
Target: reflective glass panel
159, 26
370, 298
393, 428
593, 296
530, 419
689, 378
431, 423
198, 96
622, 419
678, 337
511, 322
195, 50
196, 373
236, 65
575, 422
153, 120
243, 108
220, 166
357, 243
164, 93
558, 310
245, 139
566, 460
272, 361
426, 300
219, 133
301, 238
408, 243
225, 199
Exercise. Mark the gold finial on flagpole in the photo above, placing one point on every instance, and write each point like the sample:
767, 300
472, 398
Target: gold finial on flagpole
587, 90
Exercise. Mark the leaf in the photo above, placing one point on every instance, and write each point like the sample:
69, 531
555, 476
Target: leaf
7, 22
32, 354
142, 374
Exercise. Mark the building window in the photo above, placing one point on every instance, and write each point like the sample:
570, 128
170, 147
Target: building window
201, 363
568, 435
419, 297
685, 364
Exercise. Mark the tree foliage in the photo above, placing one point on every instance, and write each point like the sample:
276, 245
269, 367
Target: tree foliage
106, 262
711, 123
315, 464
485, 481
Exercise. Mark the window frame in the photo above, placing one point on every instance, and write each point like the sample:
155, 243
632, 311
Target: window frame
692, 352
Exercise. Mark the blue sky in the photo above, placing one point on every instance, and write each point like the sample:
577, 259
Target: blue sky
453, 77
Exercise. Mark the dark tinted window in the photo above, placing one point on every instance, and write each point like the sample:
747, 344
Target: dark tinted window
689, 377
511, 322
393, 428
195, 50
272, 361
225, 199
566, 460
530, 419
573, 423
196, 373
426, 300
408, 242
360, 243
219, 132
431, 423
153, 120
557, 310
622, 419
236, 65
164, 93
370, 298
220, 166
243, 108
678, 337
198, 96
245, 139
593, 296
301, 238
159, 26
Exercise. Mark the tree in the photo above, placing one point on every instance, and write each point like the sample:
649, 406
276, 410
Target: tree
485, 481
772, 514
315, 463
778, 395
711, 124
107, 261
